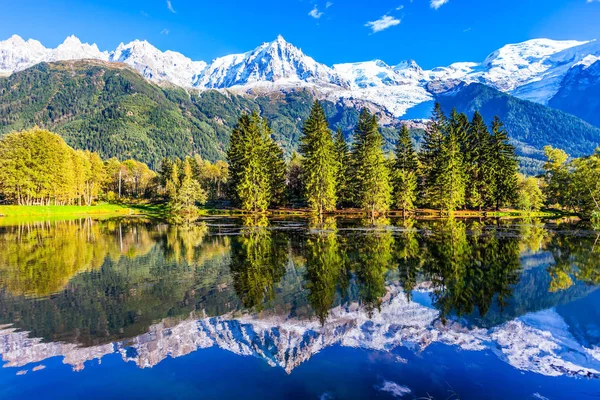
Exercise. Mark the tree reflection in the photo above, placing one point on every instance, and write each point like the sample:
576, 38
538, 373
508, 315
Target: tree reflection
576, 258
409, 255
468, 272
39, 258
373, 253
324, 266
257, 263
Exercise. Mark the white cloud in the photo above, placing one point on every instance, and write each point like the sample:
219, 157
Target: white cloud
435, 4
382, 23
400, 7
164, 32
170, 6
328, 4
315, 13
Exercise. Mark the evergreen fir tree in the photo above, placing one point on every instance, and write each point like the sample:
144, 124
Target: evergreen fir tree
405, 172
342, 156
249, 156
235, 157
319, 164
480, 164
506, 171
451, 176
276, 168
172, 185
295, 185
430, 156
189, 193
371, 173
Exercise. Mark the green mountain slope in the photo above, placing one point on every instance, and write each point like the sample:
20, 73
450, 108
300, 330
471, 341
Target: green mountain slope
111, 109
530, 125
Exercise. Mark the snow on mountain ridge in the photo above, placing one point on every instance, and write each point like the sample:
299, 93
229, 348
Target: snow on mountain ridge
271, 62
531, 70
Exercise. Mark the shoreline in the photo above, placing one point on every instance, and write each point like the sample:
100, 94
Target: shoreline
160, 211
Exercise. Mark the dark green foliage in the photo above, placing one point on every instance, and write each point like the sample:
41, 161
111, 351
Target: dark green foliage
114, 111
372, 187
505, 181
319, 164
257, 166
405, 172
531, 125
344, 178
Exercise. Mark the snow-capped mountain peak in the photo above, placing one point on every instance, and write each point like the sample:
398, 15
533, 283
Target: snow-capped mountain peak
276, 61
532, 70
73, 49
153, 64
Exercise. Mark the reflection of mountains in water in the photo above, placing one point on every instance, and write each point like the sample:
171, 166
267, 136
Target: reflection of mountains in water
539, 342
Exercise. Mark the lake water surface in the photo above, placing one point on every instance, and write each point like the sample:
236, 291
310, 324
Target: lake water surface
293, 308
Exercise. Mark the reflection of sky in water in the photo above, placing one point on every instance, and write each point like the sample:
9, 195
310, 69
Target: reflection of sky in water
170, 300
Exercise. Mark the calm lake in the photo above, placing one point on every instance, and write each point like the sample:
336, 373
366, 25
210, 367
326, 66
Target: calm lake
293, 308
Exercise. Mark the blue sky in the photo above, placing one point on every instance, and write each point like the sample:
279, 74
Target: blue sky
432, 32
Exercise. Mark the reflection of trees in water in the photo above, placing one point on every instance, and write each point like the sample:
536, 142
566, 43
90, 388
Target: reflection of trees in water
409, 255
469, 271
373, 256
143, 279
577, 258
258, 257
325, 267
39, 258
143, 272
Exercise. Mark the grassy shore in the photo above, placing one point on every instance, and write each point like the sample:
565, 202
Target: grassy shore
66, 211
161, 211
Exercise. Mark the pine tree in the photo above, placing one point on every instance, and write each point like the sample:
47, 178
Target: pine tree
319, 164
372, 176
295, 185
451, 176
480, 164
248, 156
276, 168
236, 156
172, 185
405, 172
431, 152
506, 171
342, 156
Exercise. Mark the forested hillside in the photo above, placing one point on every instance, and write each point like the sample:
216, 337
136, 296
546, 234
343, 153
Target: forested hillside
111, 109
531, 126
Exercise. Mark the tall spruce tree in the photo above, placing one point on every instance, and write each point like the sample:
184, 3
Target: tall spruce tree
295, 185
235, 157
342, 156
248, 157
451, 177
480, 164
372, 176
430, 156
506, 168
319, 164
276, 168
405, 172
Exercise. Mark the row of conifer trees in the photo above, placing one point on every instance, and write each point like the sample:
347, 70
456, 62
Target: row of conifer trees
461, 164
